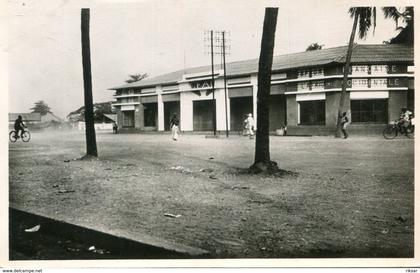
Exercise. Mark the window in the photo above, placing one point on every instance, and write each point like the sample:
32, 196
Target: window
317, 72
303, 74
410, 100
302, 86
126, 100
150, 114
312, 112
128, 118
148, 90
318, 85
369, 110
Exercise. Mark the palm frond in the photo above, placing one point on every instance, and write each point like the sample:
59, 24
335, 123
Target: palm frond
367, 17
374, 20
365, 22
392, 13
352, 12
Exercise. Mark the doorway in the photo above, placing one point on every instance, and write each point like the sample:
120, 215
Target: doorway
169, 108
203, 115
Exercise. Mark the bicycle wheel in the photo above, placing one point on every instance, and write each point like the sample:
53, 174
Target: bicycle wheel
26, 136
390, 132
410, 132
12, 136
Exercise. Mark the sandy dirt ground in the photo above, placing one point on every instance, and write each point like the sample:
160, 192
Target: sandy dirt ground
351, 198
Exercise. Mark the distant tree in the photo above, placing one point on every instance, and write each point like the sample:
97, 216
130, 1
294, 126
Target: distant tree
136, 77
314, 46
41, 107
99, 111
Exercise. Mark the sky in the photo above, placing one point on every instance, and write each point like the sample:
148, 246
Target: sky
154, 37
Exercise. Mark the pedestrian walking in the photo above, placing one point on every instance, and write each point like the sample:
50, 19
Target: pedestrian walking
344, 123
115, 127
249, 125
174, 124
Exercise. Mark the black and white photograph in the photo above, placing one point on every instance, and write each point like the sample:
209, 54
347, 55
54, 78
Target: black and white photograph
217, 133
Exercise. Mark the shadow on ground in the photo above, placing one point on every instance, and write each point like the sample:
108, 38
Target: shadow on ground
55, 240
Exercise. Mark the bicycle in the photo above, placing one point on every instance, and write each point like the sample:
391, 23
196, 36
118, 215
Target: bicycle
13, 137
392, 130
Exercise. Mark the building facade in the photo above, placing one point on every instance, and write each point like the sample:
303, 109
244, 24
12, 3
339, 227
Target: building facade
305, 92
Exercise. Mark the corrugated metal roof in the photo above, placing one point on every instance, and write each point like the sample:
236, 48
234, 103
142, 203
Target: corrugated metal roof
381, 54
111, 116
361, 54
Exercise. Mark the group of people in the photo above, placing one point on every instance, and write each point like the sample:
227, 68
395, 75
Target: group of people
404, 122
249, 124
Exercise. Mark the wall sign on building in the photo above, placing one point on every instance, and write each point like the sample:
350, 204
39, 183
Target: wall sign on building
201, 84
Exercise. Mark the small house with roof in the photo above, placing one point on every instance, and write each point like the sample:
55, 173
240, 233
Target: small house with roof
32, 118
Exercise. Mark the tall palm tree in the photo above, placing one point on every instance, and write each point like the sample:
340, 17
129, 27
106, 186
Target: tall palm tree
406, 34
262, 142
91, 149
365, 16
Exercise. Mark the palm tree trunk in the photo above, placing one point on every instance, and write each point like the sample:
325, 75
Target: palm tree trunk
87, 81
345, 77
262, 142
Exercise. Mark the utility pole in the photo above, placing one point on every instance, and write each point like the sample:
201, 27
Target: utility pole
91, 149
218, 42
224, 81
212, 85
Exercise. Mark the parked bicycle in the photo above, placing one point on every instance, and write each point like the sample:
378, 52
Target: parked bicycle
395, 128
13, 136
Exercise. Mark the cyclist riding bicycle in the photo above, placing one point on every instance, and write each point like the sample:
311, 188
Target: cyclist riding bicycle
405, 119
19, 126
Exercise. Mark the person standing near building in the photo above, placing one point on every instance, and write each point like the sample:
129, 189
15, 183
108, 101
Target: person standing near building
174, 123
249, 125
115, 127
344, 123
